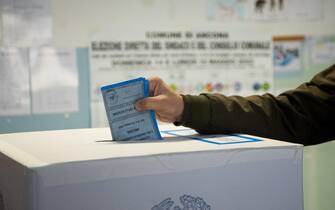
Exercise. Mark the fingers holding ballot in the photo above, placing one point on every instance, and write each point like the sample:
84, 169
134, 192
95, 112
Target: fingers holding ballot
167, 104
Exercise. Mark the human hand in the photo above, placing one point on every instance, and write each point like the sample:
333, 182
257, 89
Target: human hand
167, 104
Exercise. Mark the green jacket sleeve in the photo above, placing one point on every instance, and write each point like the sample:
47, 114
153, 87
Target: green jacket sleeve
304, 115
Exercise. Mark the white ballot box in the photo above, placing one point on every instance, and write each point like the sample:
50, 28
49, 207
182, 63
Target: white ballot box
82, 169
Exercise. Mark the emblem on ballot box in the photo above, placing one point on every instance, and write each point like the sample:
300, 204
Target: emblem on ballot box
188, 202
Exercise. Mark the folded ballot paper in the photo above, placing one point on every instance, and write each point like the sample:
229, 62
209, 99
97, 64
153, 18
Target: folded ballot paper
125, 122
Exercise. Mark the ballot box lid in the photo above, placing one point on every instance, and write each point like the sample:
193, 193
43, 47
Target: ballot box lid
39, 149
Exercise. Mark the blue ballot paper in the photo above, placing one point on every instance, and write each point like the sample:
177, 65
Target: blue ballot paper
125, 122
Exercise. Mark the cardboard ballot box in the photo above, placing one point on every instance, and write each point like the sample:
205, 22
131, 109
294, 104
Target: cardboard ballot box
83, 170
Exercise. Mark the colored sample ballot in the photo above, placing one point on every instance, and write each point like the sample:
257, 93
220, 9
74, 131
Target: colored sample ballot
125, 122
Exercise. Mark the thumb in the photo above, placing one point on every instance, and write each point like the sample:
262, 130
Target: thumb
149, 103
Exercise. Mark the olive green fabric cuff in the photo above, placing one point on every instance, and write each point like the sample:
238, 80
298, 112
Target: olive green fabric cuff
196, 112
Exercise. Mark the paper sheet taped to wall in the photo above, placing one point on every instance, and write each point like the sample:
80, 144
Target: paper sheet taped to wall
54, 77
26, 23
14, 81
38, 81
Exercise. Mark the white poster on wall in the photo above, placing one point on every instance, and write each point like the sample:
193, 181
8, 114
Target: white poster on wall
26, 23
321, 49
190, 61
264, 10
288, 55
14, 82
54, 80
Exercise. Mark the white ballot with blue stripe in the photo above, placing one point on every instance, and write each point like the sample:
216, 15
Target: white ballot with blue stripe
83, 169
126, 123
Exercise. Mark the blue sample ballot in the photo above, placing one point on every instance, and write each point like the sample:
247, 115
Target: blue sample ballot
125, 122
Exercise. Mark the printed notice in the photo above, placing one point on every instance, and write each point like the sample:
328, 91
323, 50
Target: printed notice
126, 123
321, 49
54, 77
14, 82
190, 61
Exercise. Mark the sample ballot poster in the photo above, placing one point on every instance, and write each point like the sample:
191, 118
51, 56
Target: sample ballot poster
190, 61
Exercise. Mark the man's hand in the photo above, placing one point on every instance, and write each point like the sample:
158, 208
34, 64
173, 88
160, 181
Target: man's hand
167, 104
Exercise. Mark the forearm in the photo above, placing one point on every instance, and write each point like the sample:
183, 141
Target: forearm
304, 115
215, 113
